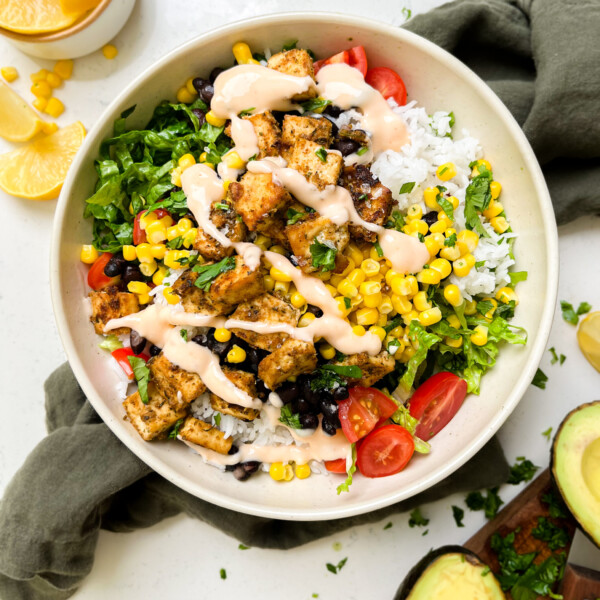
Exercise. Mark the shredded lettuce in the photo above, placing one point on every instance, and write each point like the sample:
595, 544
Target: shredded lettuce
345, 487
111, 343
426, 340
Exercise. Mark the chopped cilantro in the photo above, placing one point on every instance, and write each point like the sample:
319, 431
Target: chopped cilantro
246, 112
484, 306
446, 206
443, 170
243, 547
425, 533
407, 188
222, 206
516, 277
522, 470
223, 574
548, 433
362, 150
111, 343
378, 249
345, 487
554, 536
540, 379
207, 273
315, 105
450, 241
479, 263
325, 380
291, 45
388, 525
335, 569
393, 346
396, 221
323, 255
556, 506
490, 503
347, 303
217, 419
344, 370
141, 372
406, 13
184, 334
175, 243
459, 514
289, 418
477, 199
556, 358
417, 519
570, 315
175, 430
322, 154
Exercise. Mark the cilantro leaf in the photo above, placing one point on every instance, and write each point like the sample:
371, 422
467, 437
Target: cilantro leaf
335, 569
540, 379
315, 105
291, 45
289, 418
522, 470
546, 531
345, 487
396, 221
584, 308
344, 370
322, 380
426, 341
293, 215
223, 574
388, 525
450, 241
321, 154
548, 433
111, 343
175, 430
217, 419
347, 303
243, 547
446, 206
141, 372
207, 273
323, 255
570, 315
489, 503
477, 199
458, 514
407, 188
417, 519
555, 504
516, 277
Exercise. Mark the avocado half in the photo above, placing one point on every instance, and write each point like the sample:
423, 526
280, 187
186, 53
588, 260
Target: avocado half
575, 466
450, 573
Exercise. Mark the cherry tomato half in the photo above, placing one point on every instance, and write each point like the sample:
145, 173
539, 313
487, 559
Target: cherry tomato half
336, 466
363, 410
435, 403
139, 235
96, 278
355, 57
388, 83
385, 451
121, 354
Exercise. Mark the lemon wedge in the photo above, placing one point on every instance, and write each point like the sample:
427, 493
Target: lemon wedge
588, 336
18, 122
77, 6
35, 16
37, 171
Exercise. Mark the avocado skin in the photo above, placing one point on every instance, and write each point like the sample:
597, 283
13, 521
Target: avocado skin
554, 478
419, 569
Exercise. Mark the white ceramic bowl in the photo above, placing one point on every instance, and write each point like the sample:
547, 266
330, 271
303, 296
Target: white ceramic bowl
438, 81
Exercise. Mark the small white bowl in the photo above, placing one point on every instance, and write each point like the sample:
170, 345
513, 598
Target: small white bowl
83, 37
438, 81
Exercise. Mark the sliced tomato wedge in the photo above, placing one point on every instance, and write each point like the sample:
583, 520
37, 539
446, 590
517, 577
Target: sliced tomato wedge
121, 354
96, 278
139, 235
385, 451
355, 57
436, 402
336, 466
363, 410
388, 83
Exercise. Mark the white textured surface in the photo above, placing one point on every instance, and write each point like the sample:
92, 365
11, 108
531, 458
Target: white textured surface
174, 557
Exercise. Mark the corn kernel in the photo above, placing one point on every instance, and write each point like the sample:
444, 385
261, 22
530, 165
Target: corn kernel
172, 258
452, 295
341, 303
283, 287
430, 276
500, 224
454, 321
269, 283
262, 241
170, 296
327, 351
479, 336
450, 253
438, 227
412, 285
288, 473
277, 471
469, 238
88, 254
226, 184
470, 307
442, 266
222, 334
414, 212
39, 76
446, 171
370, 267
369, 287
144, 298
9, 73
232, 160
213, 120
385, 306
323, 275
356, 276
189, 237
64, 68
336, 279
353, 252
278, 249
493, 210
306, 319
408, 318
356, 301
347, 288
359, 330
495, 189
186, 161
420, 301
148, 268
430, 196
430, 316
452, 342
110, 51
367, 316
129, 253
236, 355
372, 300
278, 275
374, 254
434, 242
461, 267
242, 53
331, 289
189, 86
138, 287
54, 108
144, 252
483, 163
399, 285
378, 331
156, 232
41, 89
53, 80
383, 319
297, 300
40, 103
506, 295
302, 471
454, 201
419, 226
183, 225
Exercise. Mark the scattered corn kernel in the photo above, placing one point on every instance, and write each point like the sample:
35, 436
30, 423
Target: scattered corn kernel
367, 316
454, 321
353, 252
408, 318
183, 225
49, 127
378, 331
278, 275
430, 316
420, 301
452, 342
493, 210
341, 302
283, 287
40, 103
187, 160
276, 471
9, 73
452, 295
469, 238
53, 80
372, 300
129, 252
138, 287
213, 120
470, 307
159, 276
144, 252
170, 296
302, 471
430, 276
442, 266
347, 288
184, 96
323, 275
479, 336
430, 196
144, 298
148, 268
446, 171
450, 253
222, 334
232, 159
414, 212
297, 300
356, 276
495, 189
189, 86
64, 68
88, 254
331, 289
461, 267
370, 267
39, 75
506, 295
490, 313
500, 224
369, 287
236, 354
110, 51
385, 306
54, 108
41, 89
359, 330
479, 163
438, 227
434, 242
288, 473
262, 241
278, 249
327, 351
306, 319
189, 237
243, 54
156, 232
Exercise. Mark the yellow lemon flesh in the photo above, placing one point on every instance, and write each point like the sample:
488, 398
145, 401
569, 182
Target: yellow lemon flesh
78, 6
588, 336
18, 122
38, 170
35, 16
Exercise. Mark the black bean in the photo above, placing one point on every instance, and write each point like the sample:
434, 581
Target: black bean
154, 350
294, 260
315, 310
131, 273
328, 427
201, 116
300, 405
262, 391
346, 146
233, 450
253, 358
137, 342
308, 394
115, 266
219, 348
309, 421
340, 393
431, 217
201, 339
332, 111
329, 408
242, 471
204, 88
288, 392
251, 466
215, 73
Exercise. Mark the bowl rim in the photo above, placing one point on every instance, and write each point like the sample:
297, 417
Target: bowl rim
550, 232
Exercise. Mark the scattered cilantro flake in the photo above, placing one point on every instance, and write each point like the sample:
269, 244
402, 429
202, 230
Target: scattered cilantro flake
522, 470
425, 533
243, 547
554, 355
315, 595
345, 487
323, 256
584, 308
111, 343
289, 45
388, 525
490, 503
362, 150
378, 249
335, 569
393, 346
548, 433
554, 536
477, 199
443, 170
344, 370
570, 315
516, 277
555, 505
540, 379
421, 237
450, 241
184, 334
417, 519
217, 419
322, 154
406, 13
207, 273
347, 303
325, 380
396, 221
561, 359
223, 574
175, 243
407, 188
246, 112
175, 430
446, 206
141, 372
479, 263
289, 418
222, 206
458, 513
315, 105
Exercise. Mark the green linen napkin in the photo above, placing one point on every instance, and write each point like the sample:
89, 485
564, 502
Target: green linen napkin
81, 478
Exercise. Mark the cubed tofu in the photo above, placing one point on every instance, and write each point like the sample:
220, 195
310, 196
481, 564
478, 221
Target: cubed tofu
236, 285
268, 133
258, 200
195, 300
295, 128
246, 382
315, 227
178, 386
293, 358
229, 224
206, 435
298, 63
152, 419
305, 159
373, 367
111, 304
268, 309
373, 201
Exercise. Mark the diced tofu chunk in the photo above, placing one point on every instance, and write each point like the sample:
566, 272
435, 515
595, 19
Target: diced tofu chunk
228, 223
295, 62
244, 381
315, 227
236, 285
373, 367
111, 304
293, 358
305, 159
267, 132
258, 200
204, 434
307, 128
154, 418
373, 201
267, 309
195, 300
178, 386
